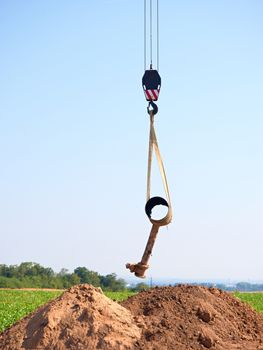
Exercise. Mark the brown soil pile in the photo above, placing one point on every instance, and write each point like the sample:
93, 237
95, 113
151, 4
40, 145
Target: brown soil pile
83, 318
191, 317
168, 318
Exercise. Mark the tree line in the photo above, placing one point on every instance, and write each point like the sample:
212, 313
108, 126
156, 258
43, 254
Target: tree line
33, 275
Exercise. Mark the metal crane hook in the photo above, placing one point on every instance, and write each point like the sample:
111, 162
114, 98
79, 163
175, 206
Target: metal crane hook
152, 108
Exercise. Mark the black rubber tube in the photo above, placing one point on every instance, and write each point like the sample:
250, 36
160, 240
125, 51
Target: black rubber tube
152, 202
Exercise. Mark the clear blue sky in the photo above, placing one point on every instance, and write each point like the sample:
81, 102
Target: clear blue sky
74, 136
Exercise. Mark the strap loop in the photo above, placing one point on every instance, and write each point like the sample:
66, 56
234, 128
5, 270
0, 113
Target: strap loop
140, 268
152, 202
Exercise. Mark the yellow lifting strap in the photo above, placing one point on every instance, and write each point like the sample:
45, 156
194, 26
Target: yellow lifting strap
153, 144
140, 268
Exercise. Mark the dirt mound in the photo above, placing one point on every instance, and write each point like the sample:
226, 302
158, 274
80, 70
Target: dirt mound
168, 318
191, 317
82, 318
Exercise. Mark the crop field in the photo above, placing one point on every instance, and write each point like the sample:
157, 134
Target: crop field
119, 296
253, 299
15, 304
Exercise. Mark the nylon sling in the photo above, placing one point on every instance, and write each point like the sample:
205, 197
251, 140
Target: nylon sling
140, 268
153, 144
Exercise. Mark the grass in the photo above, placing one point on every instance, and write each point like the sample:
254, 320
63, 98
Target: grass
15, 304
253, 299
119, 296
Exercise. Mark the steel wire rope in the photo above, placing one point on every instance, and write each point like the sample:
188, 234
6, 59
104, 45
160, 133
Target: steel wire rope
151, 39
157, 34
144, 34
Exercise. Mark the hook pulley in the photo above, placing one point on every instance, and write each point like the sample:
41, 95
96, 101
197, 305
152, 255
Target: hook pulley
151, 83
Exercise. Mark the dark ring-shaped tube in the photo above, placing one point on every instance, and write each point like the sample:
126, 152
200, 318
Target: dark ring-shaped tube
152, 202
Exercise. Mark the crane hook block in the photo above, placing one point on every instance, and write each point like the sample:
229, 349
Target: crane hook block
151, 83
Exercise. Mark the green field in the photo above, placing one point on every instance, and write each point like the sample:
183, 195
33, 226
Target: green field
15, 304
253, 299
119, 296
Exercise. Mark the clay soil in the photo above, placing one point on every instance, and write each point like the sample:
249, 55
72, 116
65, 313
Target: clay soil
168, 318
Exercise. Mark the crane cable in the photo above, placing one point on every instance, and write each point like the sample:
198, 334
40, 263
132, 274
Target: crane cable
151, 34
157, 35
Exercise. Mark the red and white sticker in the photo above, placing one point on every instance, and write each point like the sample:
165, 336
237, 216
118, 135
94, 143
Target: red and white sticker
152, 95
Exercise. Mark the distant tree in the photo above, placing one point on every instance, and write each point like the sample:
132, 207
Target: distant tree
140, 286
74, 279
29, 269
8, 271
63, 272
4, 282
111, 282
87, 276
10, 282
26, 269
3, 268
